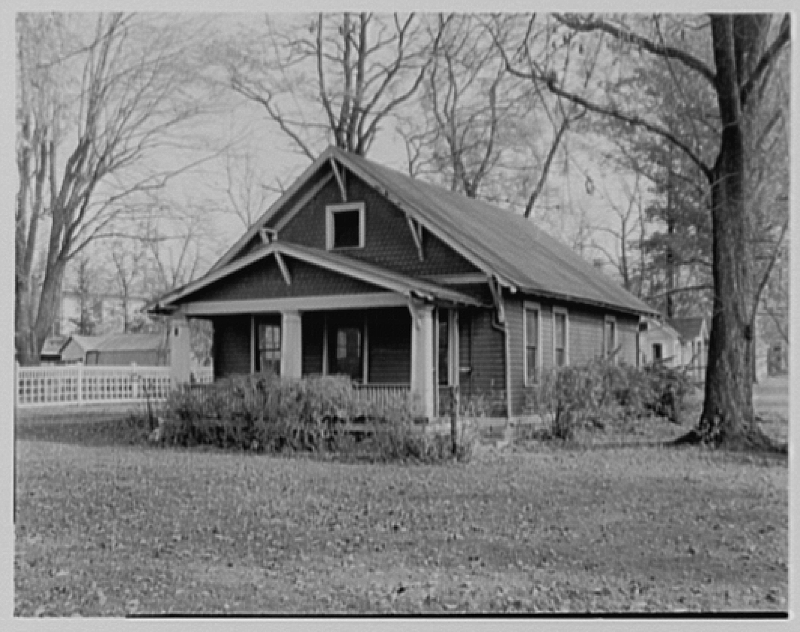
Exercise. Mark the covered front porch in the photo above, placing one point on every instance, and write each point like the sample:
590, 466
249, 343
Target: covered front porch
297, 311
394, 350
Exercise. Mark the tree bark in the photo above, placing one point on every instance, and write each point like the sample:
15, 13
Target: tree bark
728, 417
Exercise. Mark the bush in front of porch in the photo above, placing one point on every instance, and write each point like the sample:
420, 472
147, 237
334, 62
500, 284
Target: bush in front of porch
315, 414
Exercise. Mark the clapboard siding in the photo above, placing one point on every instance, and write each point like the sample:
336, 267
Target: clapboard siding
628, 337
263, 279
482, 350
388, 240
231, 345
516, 352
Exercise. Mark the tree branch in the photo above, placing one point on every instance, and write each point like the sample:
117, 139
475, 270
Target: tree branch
624, 35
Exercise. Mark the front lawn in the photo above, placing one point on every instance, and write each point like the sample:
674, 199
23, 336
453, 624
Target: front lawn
108, 529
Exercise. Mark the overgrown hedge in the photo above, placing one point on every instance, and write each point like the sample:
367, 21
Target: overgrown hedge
603, 392
269, 414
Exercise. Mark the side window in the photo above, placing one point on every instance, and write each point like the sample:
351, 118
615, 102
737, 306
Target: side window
532, 341
560, 337
610, 336
345, 226
658, 353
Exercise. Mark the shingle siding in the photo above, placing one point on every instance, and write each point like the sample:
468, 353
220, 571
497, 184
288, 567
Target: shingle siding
312, 325
388, 240
389, 344
231, 346
263, 279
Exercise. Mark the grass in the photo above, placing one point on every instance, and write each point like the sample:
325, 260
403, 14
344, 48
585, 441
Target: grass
104, 528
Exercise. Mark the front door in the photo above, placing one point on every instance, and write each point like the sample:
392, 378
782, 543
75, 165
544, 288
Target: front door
346, 345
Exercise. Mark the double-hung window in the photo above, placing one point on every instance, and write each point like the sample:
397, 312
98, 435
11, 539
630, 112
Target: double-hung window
610, 336
560, 337
532, 342
269, 348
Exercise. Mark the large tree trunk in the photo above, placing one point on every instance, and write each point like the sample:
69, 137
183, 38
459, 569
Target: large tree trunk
728, 418
48, 304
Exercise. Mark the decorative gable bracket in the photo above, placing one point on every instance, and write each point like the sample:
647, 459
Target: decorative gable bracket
284, 269
497, 297
267, 235
416, 234
339, 179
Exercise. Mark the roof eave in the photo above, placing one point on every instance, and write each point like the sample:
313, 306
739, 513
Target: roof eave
586, 301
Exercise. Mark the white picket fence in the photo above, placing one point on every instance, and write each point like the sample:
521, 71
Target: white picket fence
80, 385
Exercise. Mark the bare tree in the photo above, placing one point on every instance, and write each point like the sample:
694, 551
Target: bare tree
128, 258
86, 287
744, 50
246, 194
96, 96
334, 78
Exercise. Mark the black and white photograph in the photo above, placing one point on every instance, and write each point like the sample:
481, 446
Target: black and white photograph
419, 314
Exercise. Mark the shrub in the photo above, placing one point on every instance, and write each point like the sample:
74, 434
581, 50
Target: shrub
669, 388
602, 392
274, 415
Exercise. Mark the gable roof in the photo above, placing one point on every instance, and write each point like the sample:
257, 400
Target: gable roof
688, 328
500, 243
360, 270
54, 345
130, 342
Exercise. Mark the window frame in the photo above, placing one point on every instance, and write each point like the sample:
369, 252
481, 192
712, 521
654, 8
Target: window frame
529, 306
615, 343
261, 328
331, 210
559, 311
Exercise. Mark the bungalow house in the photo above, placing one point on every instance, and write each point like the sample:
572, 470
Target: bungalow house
360, 270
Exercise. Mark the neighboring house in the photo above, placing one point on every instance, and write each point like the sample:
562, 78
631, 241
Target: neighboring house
52, 349
360, 270
116, 350
694, 336
125, 349
76, 348
660, 343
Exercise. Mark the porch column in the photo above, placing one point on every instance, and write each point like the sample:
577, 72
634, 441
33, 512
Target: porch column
291, 345
180, 351
422, 385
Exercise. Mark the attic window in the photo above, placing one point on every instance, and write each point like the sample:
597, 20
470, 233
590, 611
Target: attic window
345, 225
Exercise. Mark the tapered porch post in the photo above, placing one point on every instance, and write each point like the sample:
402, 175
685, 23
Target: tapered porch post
292, 345
180, 351
422, 386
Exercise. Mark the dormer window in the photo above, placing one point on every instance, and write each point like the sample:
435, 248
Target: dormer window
345, 226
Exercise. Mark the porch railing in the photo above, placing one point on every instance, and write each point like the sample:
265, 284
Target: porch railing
386, 395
